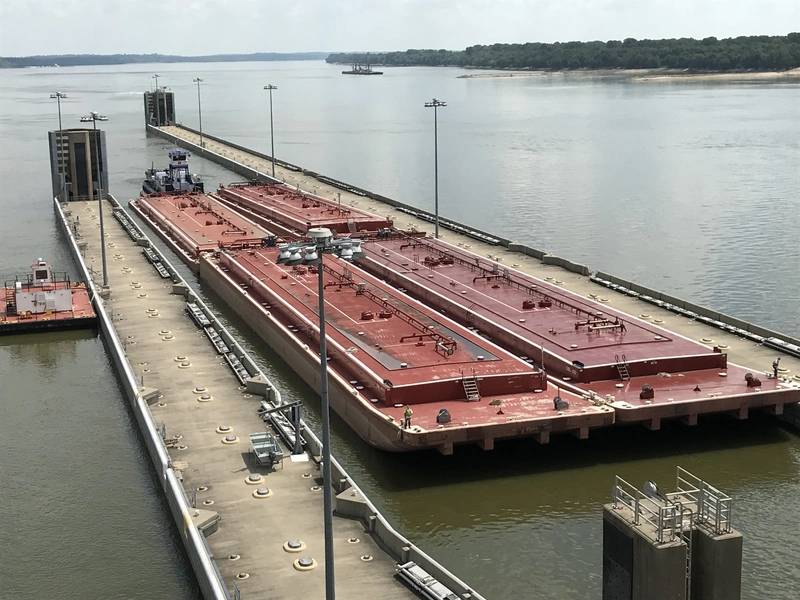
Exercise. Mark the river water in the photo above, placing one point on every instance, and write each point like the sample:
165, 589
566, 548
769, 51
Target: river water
689, 187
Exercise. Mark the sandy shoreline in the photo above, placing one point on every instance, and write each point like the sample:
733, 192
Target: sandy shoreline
647, 75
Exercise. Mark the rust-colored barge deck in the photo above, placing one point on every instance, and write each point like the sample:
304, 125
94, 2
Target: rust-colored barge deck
388, 351
602, 351
301, 211
197, 223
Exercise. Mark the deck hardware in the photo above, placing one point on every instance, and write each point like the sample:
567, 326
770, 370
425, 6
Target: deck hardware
305, 563
294, 545
262, 492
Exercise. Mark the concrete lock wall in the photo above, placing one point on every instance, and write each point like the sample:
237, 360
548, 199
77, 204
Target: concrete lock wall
700, 310
550, 259
716, 566
527, 250
208, 577
251, 173
636, 568
512, 246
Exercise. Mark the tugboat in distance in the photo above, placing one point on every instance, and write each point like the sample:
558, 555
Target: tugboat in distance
176, 179
361, 69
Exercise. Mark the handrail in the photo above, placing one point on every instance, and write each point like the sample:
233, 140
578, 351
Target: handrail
658, 512
708, 506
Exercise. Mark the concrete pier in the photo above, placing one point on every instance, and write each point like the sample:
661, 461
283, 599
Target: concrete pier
740, 350
204, 416
635, 566
670, 546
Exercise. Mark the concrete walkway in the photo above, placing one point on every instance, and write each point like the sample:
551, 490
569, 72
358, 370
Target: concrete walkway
171, 354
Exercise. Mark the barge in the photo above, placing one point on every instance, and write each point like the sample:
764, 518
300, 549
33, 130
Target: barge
300, 210
197, 223
641, 369
44, 300
362, 69
388, 352
594, 366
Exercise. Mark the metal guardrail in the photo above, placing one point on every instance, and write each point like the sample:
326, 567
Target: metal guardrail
708, 506
712, 508
665, 518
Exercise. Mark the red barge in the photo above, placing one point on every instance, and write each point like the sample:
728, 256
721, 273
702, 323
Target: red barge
644, 371
195, 223
301, 211
479, 351
388, 351
44, 300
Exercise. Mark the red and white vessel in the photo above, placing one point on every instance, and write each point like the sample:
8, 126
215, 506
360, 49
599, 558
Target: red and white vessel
42, 300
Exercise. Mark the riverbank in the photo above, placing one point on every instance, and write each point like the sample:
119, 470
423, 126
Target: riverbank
648, 75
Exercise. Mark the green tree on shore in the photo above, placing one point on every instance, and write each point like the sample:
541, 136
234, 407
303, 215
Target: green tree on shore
749, 53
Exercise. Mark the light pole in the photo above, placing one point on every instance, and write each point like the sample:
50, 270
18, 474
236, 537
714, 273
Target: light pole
158, 108
269, 88
198, 81
94, 117
435, 105
59, 150
322, 242
320, 235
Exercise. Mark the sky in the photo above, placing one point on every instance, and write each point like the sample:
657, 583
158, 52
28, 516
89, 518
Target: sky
196, 27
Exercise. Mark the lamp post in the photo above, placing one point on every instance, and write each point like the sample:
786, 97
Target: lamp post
320, 235
269, 88
435, 104
58, 96
198, 81
158, 108
94, 117
322, 242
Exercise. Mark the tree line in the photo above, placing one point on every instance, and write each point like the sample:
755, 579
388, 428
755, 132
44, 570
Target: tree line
71, 60
753, 53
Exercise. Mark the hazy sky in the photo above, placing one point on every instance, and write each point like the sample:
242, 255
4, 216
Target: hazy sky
214, 26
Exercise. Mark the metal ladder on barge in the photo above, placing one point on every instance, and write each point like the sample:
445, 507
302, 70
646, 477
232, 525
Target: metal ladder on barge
622, 367
470, 385
11, 301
